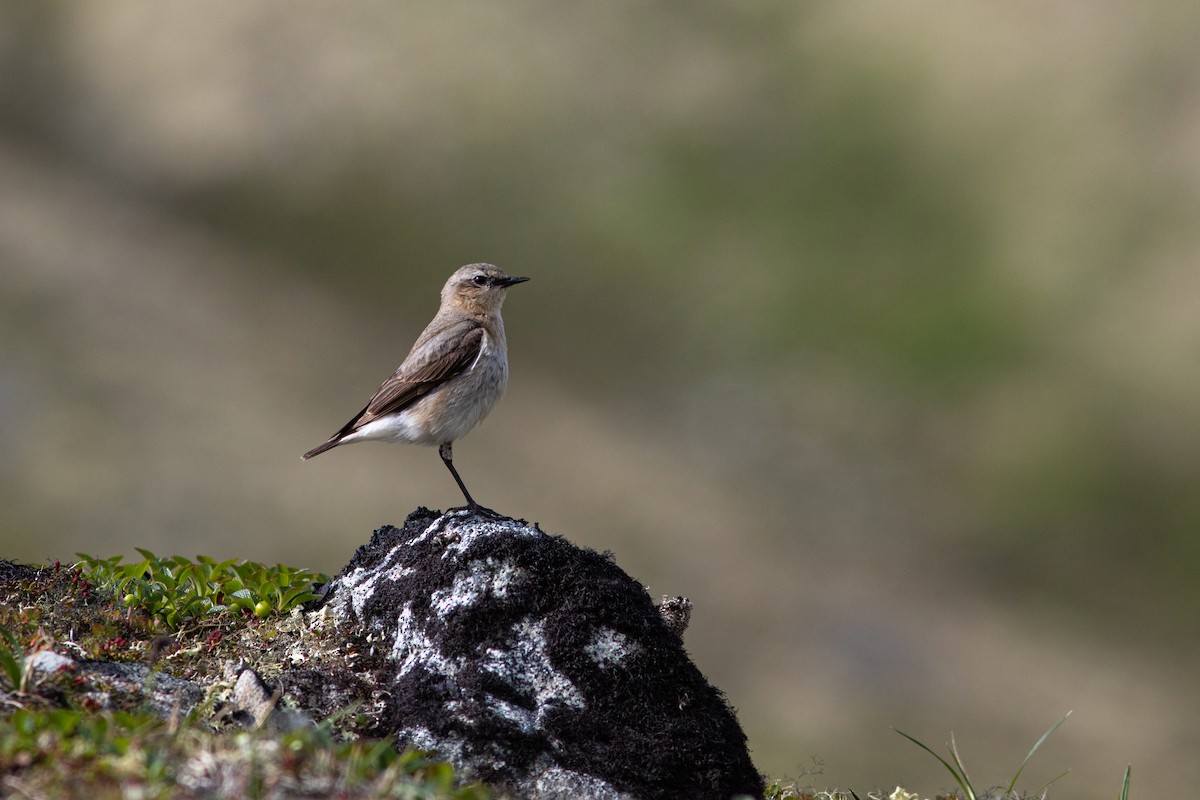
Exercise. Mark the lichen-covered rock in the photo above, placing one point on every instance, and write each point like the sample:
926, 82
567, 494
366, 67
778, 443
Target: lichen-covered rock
114, 685
535, 665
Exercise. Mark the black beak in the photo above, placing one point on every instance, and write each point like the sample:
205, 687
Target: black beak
509, 281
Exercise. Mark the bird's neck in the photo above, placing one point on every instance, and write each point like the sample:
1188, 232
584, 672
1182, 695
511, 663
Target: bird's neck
493, 324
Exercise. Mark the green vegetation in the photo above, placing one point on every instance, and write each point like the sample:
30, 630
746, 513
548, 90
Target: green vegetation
12, 663
57, 741
74, 754
175, 590
959, 771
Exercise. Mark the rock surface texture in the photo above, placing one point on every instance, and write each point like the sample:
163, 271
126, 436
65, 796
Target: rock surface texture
535, 665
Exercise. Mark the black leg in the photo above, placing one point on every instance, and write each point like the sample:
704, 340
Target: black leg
446, 452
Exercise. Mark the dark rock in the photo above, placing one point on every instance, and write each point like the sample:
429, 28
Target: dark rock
535, 665
254, 704
117, 685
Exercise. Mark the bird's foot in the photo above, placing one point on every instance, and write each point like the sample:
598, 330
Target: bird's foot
479, 511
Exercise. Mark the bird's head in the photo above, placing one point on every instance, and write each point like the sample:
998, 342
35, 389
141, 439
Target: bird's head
478, 288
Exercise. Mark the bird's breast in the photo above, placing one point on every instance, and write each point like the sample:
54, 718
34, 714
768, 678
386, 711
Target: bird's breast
462, 402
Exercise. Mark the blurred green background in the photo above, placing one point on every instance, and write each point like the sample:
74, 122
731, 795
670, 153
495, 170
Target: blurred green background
873, 328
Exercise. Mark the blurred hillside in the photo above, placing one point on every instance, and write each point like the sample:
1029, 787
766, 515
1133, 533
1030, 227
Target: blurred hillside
870, 328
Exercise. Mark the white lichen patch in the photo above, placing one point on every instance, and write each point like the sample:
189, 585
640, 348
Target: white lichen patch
525, 666
609, 648
360, 585
413, 648
481, 579
435, 526
48, 662
450, 748
459, 538
524, 718
555, 781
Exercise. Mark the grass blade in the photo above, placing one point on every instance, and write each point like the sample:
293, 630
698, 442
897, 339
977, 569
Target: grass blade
1055, 779
1033, 750
1125, 786
966, 786
12, 660
961, 767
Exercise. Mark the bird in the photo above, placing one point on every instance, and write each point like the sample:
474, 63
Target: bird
450, 380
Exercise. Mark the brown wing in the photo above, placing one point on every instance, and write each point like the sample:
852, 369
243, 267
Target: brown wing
412, 382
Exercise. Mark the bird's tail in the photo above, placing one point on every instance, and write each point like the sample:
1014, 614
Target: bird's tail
321, 448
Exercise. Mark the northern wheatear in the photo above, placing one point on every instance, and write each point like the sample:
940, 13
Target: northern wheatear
451, 378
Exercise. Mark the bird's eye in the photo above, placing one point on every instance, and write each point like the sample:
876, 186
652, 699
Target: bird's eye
480, 280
